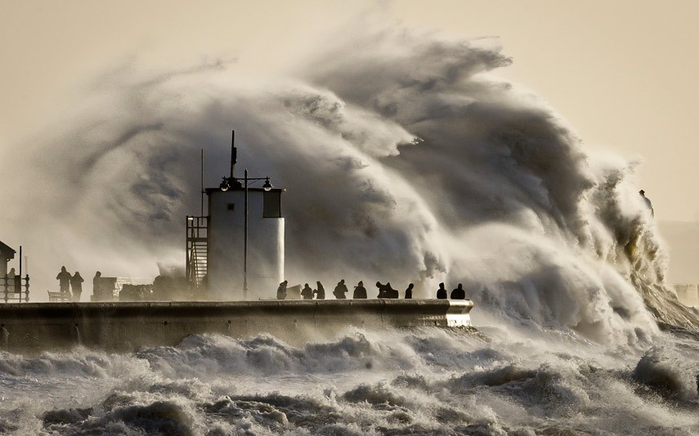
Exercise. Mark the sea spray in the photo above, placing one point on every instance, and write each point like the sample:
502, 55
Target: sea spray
423, 381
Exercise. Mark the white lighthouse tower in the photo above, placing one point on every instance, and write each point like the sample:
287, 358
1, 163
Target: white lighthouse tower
244, 237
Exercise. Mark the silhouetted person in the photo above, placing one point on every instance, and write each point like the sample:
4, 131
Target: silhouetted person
340, 291
648, 203
458, 293
409, 292
11, 281
63, 278
320, 292
359, 291
390, 292
96, 283
76, 284
307, 292
441, 292
382, 290
281, 290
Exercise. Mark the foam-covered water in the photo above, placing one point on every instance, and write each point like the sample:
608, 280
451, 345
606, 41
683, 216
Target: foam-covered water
427, 381
405, 160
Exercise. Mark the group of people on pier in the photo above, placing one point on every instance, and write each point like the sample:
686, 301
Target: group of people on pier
68, 283
385, 291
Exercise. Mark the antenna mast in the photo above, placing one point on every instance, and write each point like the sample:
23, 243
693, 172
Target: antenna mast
234, 152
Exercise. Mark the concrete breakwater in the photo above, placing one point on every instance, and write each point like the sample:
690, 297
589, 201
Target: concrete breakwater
36, 327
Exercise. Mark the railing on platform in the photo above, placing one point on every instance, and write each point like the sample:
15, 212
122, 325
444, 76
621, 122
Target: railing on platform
14, 288
197, 251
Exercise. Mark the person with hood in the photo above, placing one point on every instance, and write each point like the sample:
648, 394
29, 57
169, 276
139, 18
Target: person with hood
409, 292
441, 292
63, 278
340, 291
459, 293
382, 290
307, 292
281, 290
320, 292
76, 284
359, 291
390, 292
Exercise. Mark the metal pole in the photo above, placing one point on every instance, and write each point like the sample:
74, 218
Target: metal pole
234, 154
245, 242
202, 183
20, 276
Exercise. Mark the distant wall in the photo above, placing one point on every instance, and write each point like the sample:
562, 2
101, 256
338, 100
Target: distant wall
35, 327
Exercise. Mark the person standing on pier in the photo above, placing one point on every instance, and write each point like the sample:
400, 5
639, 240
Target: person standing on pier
320, 292
63, 278
307, 292
359, 291
409, 292
442, 292
340, 291
459, 293
281, 290
76, 284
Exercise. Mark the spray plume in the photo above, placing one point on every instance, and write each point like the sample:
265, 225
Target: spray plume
403, 159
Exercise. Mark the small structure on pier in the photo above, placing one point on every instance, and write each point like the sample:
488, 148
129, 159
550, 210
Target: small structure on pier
237, 251
13, 287
6, 255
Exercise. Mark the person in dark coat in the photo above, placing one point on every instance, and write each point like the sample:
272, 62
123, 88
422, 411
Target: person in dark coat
307, 292
359, 291
390, 292
281, 290
458, 293
320, 292
76, 284
340, 291
63, 278
382, 290
441, 292
409, 292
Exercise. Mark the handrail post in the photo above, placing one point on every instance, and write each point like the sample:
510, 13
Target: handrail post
26, 287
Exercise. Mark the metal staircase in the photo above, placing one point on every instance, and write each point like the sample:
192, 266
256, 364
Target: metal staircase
197, 251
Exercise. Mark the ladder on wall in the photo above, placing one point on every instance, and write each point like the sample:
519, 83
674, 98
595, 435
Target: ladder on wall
197, 251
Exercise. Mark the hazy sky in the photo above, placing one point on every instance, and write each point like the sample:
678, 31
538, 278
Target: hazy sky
623, 73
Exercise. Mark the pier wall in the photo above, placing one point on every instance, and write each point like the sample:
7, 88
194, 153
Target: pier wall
36, 327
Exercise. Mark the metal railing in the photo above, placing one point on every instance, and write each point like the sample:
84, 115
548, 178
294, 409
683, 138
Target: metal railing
14, 288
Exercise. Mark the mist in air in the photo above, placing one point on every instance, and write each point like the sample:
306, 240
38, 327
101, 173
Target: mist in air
405, 160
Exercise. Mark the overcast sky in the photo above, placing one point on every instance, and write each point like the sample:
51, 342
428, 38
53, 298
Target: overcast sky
622, 73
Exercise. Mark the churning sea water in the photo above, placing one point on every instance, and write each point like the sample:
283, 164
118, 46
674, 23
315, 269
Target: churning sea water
502, 381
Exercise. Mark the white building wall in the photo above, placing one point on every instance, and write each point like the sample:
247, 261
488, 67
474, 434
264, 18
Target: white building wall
265, 265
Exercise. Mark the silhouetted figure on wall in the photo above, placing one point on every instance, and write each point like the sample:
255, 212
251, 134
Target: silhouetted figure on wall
63, 278
320, 292
340, 291
96, 283
441, 292
382, 290
359, 291
76, 284
307, 292
458, 293
409, 292
11, 281
390, 292
648, 202
281, 290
